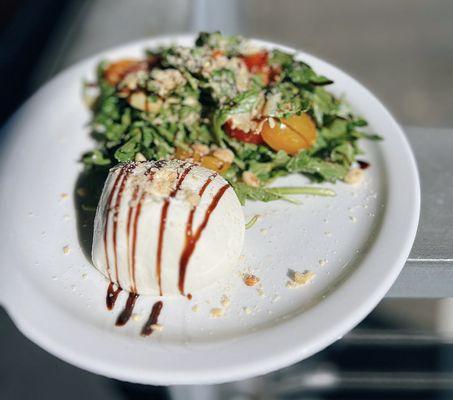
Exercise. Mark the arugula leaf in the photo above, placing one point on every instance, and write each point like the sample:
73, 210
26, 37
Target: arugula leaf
325, 170
245, 192
213, 92
95, 157
302, 74
281, 58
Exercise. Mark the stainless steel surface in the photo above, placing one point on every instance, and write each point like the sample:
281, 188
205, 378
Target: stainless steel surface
429, 270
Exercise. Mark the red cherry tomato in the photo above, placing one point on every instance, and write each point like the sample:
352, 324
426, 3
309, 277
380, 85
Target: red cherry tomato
239, 134
256, 62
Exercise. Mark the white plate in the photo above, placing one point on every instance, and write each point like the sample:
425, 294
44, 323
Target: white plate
58, 300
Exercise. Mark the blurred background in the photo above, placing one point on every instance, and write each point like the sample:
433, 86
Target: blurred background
401, 49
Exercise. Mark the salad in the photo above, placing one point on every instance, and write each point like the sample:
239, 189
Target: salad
248, 113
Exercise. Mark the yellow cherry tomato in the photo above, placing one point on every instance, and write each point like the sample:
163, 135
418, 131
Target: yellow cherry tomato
214, 164
290, 134
116, 71
182, 154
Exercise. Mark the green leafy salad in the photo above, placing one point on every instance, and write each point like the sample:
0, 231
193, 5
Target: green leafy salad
248, 113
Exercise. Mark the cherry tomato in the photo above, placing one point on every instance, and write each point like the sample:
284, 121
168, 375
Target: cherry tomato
290, 134
239, 134
208, 160
256, 62
116, 71
214, 164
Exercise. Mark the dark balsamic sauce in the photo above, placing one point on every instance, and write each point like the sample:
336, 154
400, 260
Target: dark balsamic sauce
153, 318
106, 219
192, 239
163, 221
112, 295
363, 164
127, 312
116, 208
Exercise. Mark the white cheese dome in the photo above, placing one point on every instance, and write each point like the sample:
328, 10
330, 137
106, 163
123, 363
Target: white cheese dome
166, 227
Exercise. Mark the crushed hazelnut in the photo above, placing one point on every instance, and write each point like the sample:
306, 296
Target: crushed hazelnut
200, 149
193, 198
140, 157
225, 301
225, 155
298, 279
216, 312
163, 182
250, 179
136, 317
250, 279
138, 100
354, 176
247, 310
157, 327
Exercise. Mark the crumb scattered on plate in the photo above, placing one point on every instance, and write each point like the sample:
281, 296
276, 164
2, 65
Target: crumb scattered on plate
216, 312
225, 301
66, 249
136, 317
354, 176
250, 279
157, 327
298, 279
247, 310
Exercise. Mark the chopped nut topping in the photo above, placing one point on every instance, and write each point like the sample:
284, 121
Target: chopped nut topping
250, 280
138, 100
224, 155
216, 312
193, 198
157, 327
225, 301
140, 157
136, 317
250, 179
200, 149
163, 182
354, 176
247, 310
298, 279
